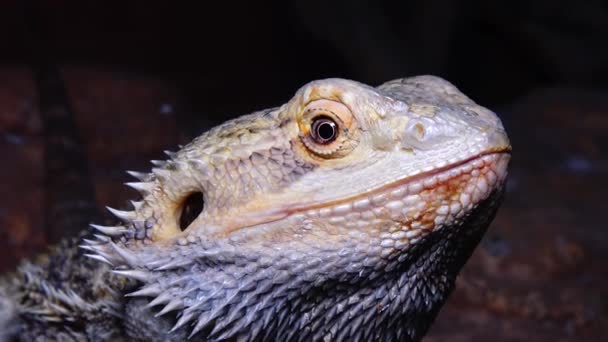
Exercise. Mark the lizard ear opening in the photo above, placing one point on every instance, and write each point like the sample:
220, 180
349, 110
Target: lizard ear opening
191, 207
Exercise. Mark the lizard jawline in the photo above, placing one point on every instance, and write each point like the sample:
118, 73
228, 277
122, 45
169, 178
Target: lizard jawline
488, 157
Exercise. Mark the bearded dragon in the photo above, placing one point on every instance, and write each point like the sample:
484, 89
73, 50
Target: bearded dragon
343, 215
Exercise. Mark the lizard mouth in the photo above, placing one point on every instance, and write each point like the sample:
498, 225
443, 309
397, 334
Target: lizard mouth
430, 179
453, 189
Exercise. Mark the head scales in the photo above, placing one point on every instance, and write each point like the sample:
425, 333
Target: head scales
286, 248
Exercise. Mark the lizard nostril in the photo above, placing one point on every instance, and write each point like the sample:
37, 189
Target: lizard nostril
419, 131
191, 207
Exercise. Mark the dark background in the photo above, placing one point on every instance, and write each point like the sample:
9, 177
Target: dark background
91, 88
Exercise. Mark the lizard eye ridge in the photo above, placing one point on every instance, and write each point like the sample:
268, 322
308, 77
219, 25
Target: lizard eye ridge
323, 130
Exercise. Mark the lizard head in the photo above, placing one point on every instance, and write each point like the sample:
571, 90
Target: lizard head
347, 208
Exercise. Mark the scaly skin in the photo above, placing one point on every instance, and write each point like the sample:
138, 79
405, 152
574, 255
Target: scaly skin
357, 238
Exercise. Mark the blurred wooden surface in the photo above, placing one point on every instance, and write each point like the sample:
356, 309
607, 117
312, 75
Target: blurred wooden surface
539, 275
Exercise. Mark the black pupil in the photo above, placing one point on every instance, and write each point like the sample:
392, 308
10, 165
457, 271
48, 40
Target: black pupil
324, 130
192, 207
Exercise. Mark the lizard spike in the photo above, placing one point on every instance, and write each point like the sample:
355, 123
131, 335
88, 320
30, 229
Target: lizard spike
112, 309
125, 254
206, 318
159, 163
217, 328
126, 216
52, 319
133, 274
162, 298
143, 187
185, 318
174, 304
147, 291
87, 248
170, 154
100, 250
157, 263
183, 279
142, 176
137, 204
222, 324
101, 238
200, 325
161, 174
99, 258
90, 242
44, 313
173, 264
226, 335
109, 231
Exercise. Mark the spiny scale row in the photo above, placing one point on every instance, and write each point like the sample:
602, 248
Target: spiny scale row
145, 187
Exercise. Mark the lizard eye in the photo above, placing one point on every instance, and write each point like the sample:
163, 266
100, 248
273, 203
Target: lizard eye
323, 130
328, 128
